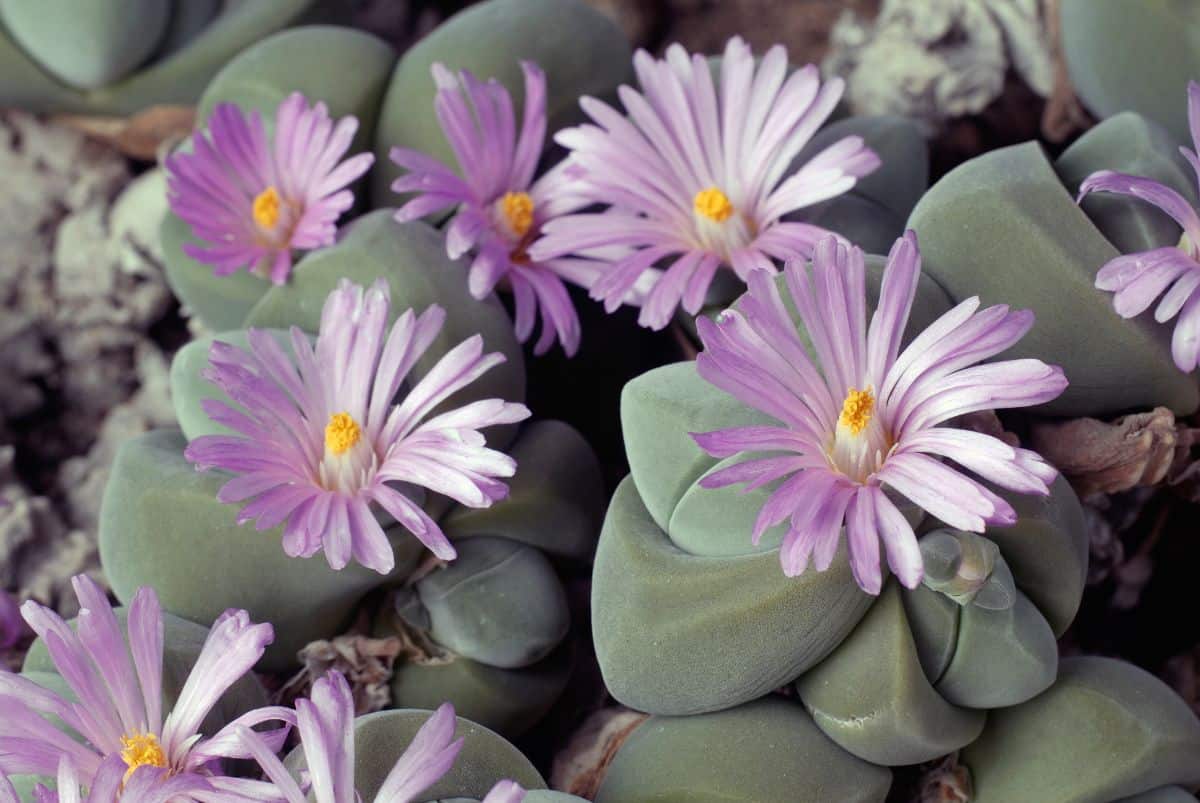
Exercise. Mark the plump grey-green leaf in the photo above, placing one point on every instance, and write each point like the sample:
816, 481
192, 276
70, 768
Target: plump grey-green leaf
509, 701
872, 697
872, 215
580, 49
176, 77
767, 750
1001, 657
162, 526
1003, 227
1105, 730
220, 302
1164, 794
499, 602
1047, 551
87, 45
381, 738
933, 619
412, 258
681, 634
555, 501
182, 643
1136, 56
658, 411
1128, 143
299, 60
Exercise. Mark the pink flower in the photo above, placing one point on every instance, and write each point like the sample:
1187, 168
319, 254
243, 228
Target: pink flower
698, 175
115, 783
499, 208
326, 725
252, 202
1172, 273
323, 437
866, 422
119, 714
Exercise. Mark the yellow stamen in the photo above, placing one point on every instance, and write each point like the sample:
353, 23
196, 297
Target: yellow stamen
266, 208
518, 211
341, 433
857, 410
1186, 245
141, 750
713, 204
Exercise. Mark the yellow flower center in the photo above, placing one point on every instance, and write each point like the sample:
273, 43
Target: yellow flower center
857, 410
141, 750
518, 211
266, 208
713, 204
341, 433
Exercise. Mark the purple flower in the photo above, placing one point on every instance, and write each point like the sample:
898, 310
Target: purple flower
326, 726
695, 174
500, 208
322, 437
1172, 272
115, 783
254, 202
863, 424
118, 716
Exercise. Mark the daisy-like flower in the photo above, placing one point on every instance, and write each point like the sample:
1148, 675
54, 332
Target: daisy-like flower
694, 175
326, 726
322, 436
116, 784
500, 208
253, 201
868, 421
1172, 272
118, 716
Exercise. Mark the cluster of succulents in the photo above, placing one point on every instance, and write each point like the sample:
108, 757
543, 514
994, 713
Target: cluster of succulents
829, 558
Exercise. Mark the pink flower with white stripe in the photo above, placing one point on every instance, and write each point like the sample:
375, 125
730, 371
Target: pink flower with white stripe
867, 421
326, 726
254, 202
499, 208
1173, 272
118, 716
697, 175
322, 436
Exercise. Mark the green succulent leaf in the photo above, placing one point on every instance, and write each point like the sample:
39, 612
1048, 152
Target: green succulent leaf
1159, 53
555, 501
872, 697
220, 302
162, 526
1105, 730
580, 49
509, 701
676, 633
1001, 658
175, 75
1128, 143
87, 45
499, 603
1003, 227
765, 750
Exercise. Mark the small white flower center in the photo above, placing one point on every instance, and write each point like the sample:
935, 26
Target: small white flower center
720, 227
349, 460
860, 444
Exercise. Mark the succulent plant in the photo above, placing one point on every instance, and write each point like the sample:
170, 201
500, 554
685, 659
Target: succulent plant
489, 624
1005, 227
1148, 73
119, 57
